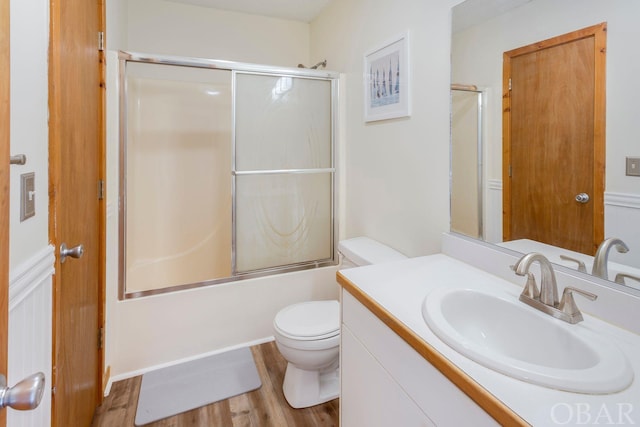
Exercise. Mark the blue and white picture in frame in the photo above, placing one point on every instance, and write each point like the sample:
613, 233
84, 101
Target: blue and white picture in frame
384, 82
387, 81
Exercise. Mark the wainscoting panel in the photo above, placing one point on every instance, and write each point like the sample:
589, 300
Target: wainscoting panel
622, 219
30, 332
493, 211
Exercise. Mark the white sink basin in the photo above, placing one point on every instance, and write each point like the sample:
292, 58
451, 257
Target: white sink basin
501, 333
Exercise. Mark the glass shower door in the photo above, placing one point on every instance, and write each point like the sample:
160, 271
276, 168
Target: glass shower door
226, 172
178, 176
283, 171
466, 163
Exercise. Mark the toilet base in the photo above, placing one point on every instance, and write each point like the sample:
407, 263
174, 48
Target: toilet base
309, 388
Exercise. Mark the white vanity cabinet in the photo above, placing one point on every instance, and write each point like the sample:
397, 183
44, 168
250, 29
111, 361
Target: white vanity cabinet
385, 382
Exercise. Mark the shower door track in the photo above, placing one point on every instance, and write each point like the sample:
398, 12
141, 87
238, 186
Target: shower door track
217, 64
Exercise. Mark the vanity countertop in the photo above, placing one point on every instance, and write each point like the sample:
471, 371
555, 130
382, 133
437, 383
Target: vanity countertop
395, 291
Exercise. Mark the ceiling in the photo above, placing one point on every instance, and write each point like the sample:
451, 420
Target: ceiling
298, 10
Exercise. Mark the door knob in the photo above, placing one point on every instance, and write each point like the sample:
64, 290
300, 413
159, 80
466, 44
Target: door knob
74, 252
582, 198
23, 396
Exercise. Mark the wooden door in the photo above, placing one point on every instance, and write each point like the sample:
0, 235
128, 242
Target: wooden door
553, 140
4, 191
75, 212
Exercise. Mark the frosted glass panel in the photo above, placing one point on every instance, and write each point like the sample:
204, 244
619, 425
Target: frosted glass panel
282, 123
282, 219
178, 176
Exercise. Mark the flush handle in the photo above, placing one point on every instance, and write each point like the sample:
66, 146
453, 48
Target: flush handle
582, 198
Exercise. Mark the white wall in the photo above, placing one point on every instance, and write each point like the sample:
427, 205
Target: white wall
148, 332
158, 26
29, 129
396, 171
116, 25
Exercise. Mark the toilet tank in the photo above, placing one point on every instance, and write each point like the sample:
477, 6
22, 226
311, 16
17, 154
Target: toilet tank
360, 251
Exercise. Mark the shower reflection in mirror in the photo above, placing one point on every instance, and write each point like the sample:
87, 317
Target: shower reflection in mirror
467, 109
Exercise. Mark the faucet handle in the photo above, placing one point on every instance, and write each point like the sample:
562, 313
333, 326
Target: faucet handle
568, 305
621, 276
582, 268
530, 288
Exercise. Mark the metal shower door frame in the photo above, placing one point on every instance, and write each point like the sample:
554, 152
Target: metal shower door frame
234, 67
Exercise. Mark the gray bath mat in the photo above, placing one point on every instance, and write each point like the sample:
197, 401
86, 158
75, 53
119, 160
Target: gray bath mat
180, 388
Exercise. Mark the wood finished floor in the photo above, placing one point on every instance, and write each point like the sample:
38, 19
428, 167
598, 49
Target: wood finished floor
259, 408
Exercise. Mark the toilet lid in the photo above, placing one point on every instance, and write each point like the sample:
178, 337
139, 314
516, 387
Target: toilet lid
313, 319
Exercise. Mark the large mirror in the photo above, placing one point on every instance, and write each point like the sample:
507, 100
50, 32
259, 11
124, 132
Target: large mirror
482, 31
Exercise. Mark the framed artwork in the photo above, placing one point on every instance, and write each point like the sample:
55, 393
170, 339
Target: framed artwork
387, 85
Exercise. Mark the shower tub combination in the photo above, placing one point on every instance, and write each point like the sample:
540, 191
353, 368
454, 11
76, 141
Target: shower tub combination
227, 171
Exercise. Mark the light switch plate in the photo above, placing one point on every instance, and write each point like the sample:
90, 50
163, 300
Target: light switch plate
633, 166
27, 195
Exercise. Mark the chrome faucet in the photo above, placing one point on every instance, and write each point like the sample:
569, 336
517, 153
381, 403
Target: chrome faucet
548, 286
602, 256
546, 300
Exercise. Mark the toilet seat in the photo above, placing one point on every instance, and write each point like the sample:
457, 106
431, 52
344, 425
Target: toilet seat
309, 321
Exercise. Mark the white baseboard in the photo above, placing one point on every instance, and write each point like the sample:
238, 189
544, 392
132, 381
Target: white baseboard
135, 373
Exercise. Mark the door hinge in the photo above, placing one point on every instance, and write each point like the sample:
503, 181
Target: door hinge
101, 40
100, 338
509, 83
509, 171
100, 189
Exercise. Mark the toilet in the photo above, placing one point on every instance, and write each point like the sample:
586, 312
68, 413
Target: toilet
307, 334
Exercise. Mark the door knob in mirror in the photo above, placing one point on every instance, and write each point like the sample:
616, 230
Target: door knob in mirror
582, 198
